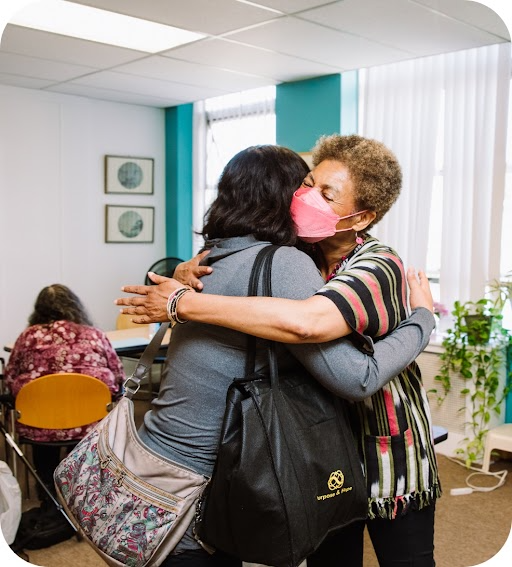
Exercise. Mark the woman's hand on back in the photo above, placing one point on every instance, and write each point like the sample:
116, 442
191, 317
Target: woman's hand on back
149, 305
420, 294
190, 271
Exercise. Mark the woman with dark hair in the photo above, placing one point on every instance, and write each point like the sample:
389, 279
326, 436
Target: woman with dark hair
60, 339
252, 196
58, 303
251, 211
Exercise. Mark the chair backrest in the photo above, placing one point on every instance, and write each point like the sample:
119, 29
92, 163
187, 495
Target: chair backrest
62, 401
164, 267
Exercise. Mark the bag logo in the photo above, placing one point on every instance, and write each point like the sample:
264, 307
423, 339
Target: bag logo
336, 480
335, 485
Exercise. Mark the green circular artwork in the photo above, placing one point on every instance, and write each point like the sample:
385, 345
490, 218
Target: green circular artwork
130, 224
130, 175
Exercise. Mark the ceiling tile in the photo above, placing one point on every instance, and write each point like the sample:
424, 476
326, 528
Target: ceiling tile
401, 24
168, 69
204, 16
245, 58
258, 46
293, 6
25, 82
147, 86
473, 13
40, 68
114, 95
313, 42
26, 41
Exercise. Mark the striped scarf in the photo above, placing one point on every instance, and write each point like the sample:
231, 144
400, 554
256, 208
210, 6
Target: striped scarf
393, 427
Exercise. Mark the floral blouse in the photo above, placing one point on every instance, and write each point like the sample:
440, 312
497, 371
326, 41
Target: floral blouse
62, 347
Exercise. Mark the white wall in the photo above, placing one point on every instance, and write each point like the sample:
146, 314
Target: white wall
52, 200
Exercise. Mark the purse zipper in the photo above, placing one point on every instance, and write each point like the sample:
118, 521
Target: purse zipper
142, 489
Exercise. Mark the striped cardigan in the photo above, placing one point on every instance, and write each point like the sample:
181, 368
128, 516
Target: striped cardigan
393, 427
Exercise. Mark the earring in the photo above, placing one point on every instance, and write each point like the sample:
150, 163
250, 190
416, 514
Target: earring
359, 240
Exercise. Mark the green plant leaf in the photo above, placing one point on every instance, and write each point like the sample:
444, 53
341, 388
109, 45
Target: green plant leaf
465, 361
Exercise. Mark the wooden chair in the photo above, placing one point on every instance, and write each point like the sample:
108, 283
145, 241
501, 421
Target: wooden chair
61, 401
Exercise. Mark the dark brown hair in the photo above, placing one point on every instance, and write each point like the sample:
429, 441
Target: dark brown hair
254, 195
57, 302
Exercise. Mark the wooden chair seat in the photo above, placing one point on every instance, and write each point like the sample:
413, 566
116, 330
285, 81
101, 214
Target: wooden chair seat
62, 401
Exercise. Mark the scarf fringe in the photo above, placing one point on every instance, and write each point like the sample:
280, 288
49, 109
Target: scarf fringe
390, 508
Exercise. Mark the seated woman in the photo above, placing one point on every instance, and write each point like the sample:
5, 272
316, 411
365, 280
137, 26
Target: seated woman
60, 338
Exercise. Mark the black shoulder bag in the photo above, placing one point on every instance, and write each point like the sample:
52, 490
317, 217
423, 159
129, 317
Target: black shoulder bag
287, 471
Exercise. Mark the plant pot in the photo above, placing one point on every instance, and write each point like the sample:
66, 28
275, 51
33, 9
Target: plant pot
478, 328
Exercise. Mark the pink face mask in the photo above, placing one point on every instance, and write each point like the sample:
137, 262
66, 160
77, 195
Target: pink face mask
314, 218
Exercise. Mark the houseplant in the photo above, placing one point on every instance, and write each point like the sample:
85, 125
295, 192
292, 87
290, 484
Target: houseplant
501, 290
474, 349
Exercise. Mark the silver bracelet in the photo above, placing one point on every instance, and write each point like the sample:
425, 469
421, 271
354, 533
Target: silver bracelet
169, 301
172, 305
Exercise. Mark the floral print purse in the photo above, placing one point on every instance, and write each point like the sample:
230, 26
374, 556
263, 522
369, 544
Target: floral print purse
130, 503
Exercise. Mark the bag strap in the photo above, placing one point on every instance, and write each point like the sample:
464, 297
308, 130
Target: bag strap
271, 345
145, 362
263, 261
265, 265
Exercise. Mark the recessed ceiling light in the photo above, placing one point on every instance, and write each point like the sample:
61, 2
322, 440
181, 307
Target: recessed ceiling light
93, 24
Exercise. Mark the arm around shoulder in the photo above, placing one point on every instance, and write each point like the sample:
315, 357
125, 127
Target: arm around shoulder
357, 374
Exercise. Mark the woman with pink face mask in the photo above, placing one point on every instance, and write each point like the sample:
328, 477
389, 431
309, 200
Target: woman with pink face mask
353, 184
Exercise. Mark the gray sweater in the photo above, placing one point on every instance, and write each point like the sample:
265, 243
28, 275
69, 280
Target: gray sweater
185, 420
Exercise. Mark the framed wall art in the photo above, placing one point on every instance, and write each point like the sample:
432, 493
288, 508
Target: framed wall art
129, 224
129, 175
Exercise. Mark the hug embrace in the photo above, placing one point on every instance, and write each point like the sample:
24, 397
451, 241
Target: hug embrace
291, 412
339, 310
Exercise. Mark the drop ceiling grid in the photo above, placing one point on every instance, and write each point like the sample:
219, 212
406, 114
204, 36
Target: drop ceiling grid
401, 24
294, 36
198, 74
246, 46
205, 16
225, 53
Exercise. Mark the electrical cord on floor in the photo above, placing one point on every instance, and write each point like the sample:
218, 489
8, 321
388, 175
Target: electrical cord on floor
499, 475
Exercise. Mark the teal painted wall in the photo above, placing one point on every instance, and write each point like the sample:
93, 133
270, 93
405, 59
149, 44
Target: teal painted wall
306, 110
178, 180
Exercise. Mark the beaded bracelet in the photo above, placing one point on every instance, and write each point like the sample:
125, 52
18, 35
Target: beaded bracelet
172, 305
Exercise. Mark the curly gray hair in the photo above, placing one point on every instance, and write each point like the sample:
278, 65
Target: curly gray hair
374, 170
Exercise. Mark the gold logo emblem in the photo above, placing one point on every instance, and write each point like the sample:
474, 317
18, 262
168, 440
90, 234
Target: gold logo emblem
336, 480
